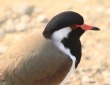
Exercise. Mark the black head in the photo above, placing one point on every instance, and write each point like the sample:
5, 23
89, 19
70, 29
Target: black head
62, 20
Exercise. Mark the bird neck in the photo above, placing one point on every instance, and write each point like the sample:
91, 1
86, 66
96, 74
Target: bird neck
68, 42
58, 36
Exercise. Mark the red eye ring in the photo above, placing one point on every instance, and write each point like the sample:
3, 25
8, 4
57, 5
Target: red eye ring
73, 27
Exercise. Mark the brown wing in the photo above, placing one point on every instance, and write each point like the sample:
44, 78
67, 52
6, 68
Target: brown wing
34, 60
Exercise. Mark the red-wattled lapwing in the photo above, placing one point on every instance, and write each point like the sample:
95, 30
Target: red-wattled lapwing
45, 57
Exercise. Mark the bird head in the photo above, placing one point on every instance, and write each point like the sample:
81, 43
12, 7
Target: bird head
64, 30
69, 19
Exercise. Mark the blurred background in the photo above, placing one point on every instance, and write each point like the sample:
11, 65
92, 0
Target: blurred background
20, 17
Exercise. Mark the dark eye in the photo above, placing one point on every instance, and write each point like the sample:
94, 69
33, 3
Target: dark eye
73, 27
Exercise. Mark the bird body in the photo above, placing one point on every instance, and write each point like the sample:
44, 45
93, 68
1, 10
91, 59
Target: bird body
32, 59
45, 57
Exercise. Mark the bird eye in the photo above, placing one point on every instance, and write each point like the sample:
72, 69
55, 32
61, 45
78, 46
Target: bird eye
73, 27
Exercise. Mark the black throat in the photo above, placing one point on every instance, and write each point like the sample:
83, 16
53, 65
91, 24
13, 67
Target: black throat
73, 43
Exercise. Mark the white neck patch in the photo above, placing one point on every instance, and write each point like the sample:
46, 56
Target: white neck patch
57, 36
60, 34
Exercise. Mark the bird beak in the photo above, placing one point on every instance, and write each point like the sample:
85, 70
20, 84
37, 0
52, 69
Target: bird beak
88, 27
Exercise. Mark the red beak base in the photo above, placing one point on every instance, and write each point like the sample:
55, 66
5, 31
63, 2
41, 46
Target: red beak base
88, 27
84, 27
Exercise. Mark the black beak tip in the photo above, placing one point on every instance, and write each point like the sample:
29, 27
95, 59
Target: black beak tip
95, 28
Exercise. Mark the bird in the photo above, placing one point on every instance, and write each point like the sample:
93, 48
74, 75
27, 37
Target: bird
46, 56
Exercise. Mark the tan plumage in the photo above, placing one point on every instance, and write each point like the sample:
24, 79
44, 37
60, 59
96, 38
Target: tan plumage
33, 60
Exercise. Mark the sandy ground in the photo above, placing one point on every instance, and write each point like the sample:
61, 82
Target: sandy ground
94, 68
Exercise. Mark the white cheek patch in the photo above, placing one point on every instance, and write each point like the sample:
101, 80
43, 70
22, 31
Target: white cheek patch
57, 37
60, 34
